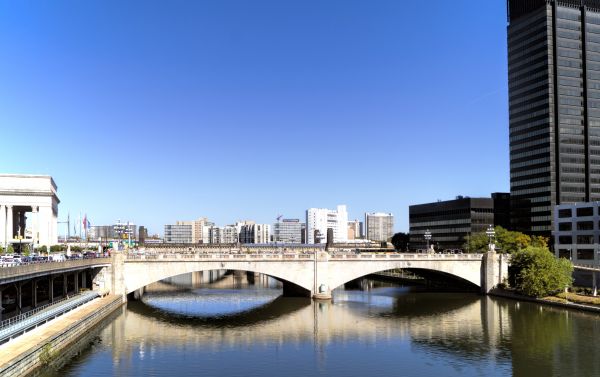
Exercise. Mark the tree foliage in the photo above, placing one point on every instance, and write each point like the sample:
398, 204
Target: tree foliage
536, 272
10, 249
400, 241
506, 241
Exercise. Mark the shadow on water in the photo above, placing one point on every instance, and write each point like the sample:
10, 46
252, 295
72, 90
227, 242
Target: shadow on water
279, 307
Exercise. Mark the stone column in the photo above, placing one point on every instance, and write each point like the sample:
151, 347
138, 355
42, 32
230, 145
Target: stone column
2, 225
10, 234
76, 276
34, 226
594, 284
21, 227
1, 307
64, 285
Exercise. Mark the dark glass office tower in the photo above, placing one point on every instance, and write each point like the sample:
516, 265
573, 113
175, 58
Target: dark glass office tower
554, 103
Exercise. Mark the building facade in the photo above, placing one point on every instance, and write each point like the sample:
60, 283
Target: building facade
449, 222
355, 230
180, 232
28, 210
380, 226
255, 233
117, 231
228, 234
318, 220
288, 231
554, 108
577, 232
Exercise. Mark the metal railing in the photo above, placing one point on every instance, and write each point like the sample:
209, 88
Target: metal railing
18, 325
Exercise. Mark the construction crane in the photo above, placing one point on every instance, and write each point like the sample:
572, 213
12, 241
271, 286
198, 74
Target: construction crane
279, 218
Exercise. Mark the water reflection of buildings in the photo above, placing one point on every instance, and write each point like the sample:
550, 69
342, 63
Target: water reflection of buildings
455, 330
461, 325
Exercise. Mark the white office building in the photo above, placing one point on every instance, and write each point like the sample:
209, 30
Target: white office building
288, 231
318, 220
380, 226
180, 232
227, 234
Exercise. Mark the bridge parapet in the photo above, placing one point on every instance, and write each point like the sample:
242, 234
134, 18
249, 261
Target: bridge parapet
170, 255
15, 273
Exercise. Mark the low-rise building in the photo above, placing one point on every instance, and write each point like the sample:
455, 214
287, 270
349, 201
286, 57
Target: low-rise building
450, 221
577, 232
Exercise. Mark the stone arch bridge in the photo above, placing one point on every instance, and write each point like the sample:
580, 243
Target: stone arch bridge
313, 274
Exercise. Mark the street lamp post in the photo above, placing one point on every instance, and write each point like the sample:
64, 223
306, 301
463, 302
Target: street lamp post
491, 233
427, 238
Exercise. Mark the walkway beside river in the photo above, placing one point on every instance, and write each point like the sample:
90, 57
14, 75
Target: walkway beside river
29, 351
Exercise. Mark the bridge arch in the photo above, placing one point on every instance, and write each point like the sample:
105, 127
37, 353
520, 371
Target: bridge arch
346, 271
296, 281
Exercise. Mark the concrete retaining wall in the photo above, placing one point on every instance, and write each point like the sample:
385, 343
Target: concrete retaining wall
45, 352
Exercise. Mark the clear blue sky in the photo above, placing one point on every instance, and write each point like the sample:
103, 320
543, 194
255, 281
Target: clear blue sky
156, 111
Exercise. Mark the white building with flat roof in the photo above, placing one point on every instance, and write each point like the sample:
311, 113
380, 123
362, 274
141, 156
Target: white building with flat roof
380, 226
28, 210
318, 220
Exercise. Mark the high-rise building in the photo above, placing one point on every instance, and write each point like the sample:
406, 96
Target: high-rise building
554, 108
318, 220
288, 231
380, 226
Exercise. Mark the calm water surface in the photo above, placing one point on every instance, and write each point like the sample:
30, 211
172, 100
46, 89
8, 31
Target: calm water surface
239, 325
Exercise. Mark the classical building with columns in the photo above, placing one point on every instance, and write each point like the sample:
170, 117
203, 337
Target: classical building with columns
28, 210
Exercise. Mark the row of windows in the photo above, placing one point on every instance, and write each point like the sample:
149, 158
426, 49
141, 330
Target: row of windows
581, 225
581, 211
581, 240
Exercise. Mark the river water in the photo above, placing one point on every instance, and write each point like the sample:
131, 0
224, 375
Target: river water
239, 325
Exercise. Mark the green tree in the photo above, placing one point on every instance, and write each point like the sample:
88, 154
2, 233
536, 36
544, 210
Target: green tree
400, 241
42, 249
25, 250
56, 248
536, 272
506, 241
10, 249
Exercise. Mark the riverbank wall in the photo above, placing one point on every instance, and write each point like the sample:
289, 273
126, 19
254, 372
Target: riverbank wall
569, 305
49, 343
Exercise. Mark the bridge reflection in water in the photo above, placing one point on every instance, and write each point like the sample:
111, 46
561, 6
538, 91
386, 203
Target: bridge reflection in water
381, 330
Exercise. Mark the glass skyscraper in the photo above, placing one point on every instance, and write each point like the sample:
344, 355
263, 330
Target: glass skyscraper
554, 108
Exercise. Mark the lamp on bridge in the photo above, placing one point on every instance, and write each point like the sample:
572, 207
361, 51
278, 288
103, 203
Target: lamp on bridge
427, 238
491, 233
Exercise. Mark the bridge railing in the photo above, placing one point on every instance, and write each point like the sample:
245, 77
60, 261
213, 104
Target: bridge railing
29, 269
296, 256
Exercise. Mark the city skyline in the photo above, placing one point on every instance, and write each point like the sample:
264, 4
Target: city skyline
237, 111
